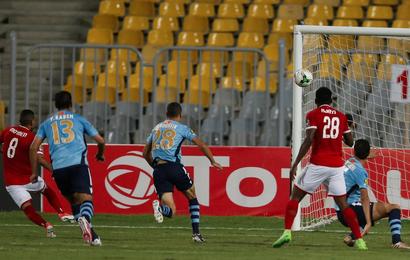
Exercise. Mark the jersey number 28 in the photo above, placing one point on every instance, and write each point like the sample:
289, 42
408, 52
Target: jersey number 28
331, 127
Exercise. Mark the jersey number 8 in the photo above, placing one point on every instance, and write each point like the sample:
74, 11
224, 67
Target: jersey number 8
11, 151
331, 127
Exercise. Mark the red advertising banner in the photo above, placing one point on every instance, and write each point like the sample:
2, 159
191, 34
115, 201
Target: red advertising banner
254, 181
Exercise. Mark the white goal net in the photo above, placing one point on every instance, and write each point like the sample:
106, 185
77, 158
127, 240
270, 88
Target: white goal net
367, 70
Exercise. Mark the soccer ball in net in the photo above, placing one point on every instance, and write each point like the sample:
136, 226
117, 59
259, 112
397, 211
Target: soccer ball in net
303, 78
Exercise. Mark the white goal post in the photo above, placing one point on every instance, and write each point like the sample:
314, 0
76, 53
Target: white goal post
361, 81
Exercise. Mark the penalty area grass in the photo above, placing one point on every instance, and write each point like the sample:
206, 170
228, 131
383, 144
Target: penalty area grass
139, 237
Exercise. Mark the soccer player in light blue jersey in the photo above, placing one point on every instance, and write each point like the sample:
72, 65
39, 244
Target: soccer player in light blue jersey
65, 133
356, 178
163, 153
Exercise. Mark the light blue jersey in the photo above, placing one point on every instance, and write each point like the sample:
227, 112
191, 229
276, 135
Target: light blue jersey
167, 138
356, 178
65, 133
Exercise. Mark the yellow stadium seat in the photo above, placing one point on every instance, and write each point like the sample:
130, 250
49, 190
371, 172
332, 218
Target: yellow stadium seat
291, 12
87, 68
312, 41
320, 11
255, 25
287, 37
401, 24
236, 83
397, 44
190, 39
405, 2
114, 81
374, 23
225, 25
100, 36
393, 59
217, 57
166, 24
181, 68
350, 12
106, 21
264, 11
139, 8
195, 24
93, 54
231, 10
126, 55
289, 71
271, 2
370, 59
331, 65
315, 21
166, 95
221, 39
283, 25
185, 2
160, 38
386, 2
213, 2
102, 94
345, 22
77, 94
272, 53
403, 12
239, 69
203, 83
121, 68
171, 9
136, 23
363, 3
238, 1
132, 38
250, 40
208, 69
333, 3
344, 42
272, 69
361, 72
147, 77
377, 12
82, 81
133, 94
259, 84
116, 8
202, 9
172, 81
370, 42
296, 2
197, 97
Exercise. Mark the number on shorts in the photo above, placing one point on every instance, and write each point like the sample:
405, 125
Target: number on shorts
331, 127
11, 151
67, 126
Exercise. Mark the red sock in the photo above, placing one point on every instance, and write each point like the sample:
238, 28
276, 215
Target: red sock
291, 211
52, 199
351, 219
33, 216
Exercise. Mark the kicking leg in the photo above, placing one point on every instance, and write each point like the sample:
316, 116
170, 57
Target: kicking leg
55, 203
32, 215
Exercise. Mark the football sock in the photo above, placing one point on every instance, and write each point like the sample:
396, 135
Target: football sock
75, 208
194, 210
351, 220
94, 235
291, 211
33, 216
395, 225
87, 210
53, 199
166, 211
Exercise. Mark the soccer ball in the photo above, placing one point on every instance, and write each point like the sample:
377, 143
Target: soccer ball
303, 78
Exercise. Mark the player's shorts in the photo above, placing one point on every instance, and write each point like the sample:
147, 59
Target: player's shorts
73, 179
361, 217
21, 193
313, 176
171, 174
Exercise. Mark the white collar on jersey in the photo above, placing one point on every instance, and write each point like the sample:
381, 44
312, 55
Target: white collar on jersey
24, 127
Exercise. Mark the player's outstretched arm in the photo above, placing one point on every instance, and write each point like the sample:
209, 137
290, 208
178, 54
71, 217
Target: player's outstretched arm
304, 148
205, 149
147, 153
348, 139
364, 197
101, 147
35, 145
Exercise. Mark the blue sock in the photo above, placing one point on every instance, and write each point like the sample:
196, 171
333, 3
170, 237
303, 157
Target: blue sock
395, 225
166, 211
194, 210
75, 208
87, 210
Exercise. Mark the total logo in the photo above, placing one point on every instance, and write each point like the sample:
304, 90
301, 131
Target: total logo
129, 181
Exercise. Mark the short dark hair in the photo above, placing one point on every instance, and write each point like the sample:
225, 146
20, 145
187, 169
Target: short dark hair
26, 117
174, 109
323, 96
62, 100
361, 149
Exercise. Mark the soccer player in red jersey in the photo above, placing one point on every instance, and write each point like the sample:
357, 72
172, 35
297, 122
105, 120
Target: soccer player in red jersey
18, 178
326, 129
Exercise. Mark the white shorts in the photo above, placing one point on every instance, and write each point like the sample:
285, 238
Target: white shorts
314, 175
20, 193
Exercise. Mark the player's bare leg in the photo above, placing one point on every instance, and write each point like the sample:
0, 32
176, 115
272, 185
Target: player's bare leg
166, 208
32, 215
84, 221
351, 220
290, 214
194, 209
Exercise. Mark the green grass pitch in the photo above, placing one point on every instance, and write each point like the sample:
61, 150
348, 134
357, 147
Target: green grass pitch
138, 237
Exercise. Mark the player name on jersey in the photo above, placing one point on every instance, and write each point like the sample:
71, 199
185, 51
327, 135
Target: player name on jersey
60, 116
328, 111
17, 132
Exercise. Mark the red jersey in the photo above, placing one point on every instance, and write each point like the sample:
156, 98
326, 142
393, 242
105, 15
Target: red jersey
330, 126
16, 159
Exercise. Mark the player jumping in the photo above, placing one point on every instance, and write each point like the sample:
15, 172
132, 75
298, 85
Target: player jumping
18, 178
356, 178
326, 130
65, 133
163, 153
